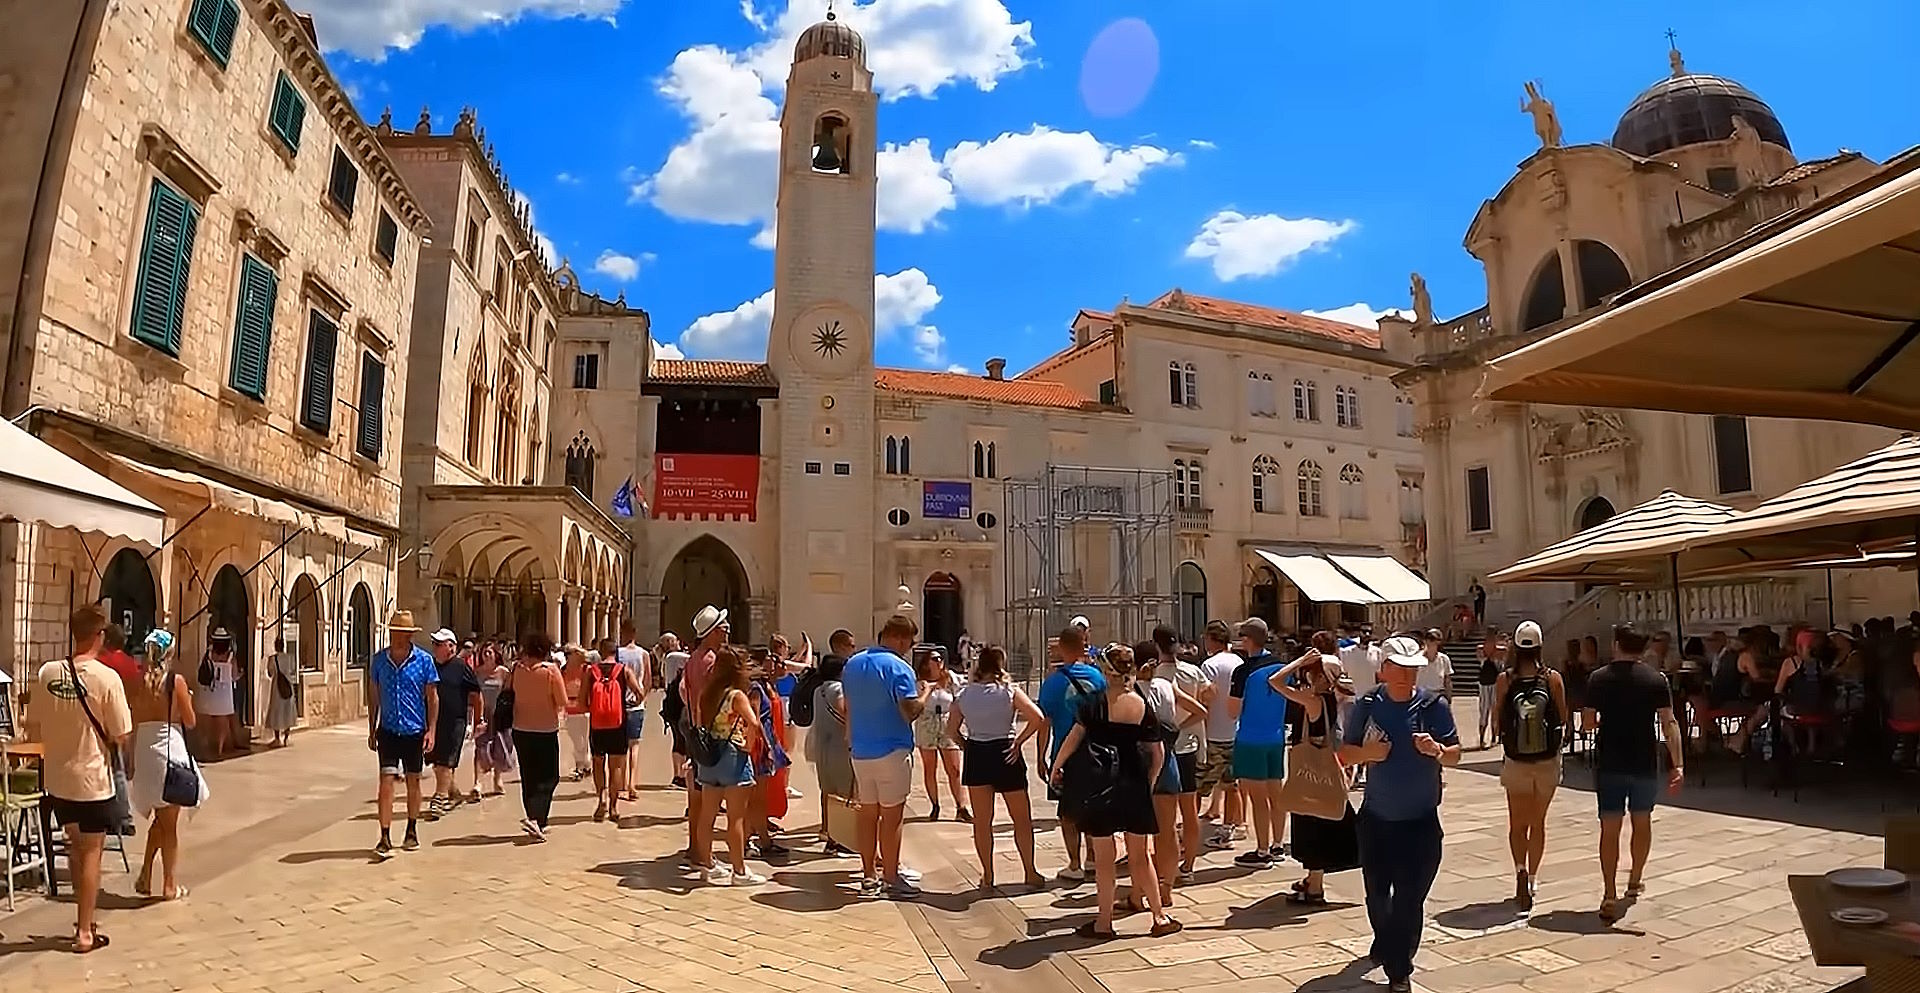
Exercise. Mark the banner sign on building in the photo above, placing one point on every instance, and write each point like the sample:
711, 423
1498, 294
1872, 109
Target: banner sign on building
946, 501
706, 487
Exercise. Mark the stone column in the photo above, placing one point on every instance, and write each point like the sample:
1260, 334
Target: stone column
1569, 277
555, 592
646, 617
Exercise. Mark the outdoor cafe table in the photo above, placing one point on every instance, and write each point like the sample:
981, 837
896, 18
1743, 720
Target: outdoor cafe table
1888, 951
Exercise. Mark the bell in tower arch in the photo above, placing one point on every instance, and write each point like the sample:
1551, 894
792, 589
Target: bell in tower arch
830, 145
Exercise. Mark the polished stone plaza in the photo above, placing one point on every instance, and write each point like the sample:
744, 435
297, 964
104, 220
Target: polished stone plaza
285, 898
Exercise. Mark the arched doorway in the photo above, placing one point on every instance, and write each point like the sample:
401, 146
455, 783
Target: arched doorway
1594, 513
359, 627
945, 611
127, 591
705, 572
1263, 599
303, 608
229, 606
1190, 590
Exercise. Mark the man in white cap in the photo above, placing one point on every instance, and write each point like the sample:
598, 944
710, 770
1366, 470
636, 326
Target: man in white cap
459, 710
1404, 734
710, 630
400, 723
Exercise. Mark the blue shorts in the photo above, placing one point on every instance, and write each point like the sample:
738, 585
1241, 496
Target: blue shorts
1259, 762
1620, 793
636, 723
730, 768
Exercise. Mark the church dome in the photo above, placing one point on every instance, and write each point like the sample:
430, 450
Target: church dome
1688, 108
829, 38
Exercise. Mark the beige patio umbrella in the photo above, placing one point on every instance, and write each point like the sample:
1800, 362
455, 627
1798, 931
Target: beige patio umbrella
1809, 315
1637, 545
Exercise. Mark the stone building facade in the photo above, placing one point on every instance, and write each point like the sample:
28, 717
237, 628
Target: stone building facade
218, 265
1696, 161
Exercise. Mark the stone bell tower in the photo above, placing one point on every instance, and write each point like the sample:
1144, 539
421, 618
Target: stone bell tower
821, 344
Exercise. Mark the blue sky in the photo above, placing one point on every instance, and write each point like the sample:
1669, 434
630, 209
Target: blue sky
1306, 156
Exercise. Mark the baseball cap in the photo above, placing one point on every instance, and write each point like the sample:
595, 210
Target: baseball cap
1527, 635
444, 636
1080, 621
1404, 651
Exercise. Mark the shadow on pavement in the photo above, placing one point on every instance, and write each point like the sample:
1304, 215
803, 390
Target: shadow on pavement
333, 855
482, 840
1275, 911
662, 873
1049, 937
1349, 978
1478, 916
1578, 922
39, 943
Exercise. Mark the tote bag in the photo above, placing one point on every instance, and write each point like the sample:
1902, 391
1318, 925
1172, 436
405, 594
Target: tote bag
1316, 784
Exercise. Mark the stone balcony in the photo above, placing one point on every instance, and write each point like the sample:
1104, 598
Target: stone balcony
1194, 520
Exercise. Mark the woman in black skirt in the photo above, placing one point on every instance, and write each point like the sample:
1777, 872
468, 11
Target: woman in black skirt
1321, 846
1108, 766
992, 762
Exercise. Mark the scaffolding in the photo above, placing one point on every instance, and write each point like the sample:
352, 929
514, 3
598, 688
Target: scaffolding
1084, 540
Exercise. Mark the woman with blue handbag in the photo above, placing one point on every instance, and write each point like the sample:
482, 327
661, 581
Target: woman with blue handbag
165, 778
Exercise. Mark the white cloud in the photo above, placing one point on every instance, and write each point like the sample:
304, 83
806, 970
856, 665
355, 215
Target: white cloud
1361, 314
1260, 245
1202, 143
929, 345
900, 300
753, 15
961, 369
914, 47
914, 189
618, 267
567, 179
662, 350
1040, 165
367, 29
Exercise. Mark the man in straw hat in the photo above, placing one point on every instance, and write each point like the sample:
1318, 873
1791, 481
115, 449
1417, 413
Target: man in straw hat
401, 715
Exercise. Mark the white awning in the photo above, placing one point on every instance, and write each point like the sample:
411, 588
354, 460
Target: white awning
1317, 577
237, 501
1384, 575
39, 484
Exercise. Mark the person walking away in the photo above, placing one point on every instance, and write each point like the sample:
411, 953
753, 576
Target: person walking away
938, 749
710, 630
1493, 653
79, 714
826, 742
573, 673
1260, 743
1072, 680
883, 700
1479, 594
539, 699
213, 695
459, 709
1119, 745
1188, 746
161, 703
283, 707
994, 762
1226, 808
1531, 714
1632, 702
639, 665
1171, 705
492, 746
400, 724
609, 685
1405, 734
723, 711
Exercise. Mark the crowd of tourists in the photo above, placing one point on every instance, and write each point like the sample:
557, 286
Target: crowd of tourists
1153, 752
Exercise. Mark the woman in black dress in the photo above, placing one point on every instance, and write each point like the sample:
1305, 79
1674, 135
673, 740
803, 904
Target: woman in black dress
1108, 765
1321, 846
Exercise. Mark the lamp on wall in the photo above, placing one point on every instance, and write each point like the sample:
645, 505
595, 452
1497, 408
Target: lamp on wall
906, 599
424, 555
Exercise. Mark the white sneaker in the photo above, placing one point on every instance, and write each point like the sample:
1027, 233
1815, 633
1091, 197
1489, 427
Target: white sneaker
794, 794
1239, 832
909, 873
1071, 875
748, 878
720, 875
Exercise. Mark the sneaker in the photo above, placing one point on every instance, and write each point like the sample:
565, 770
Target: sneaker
1071, 875
1239, 832
1254, 860
794, 794
1279, 852
411, 843
720, 875
748, 878
909, 873
870, 887
1399, 986
903, 889
1186, 877
384, 850
1221, 841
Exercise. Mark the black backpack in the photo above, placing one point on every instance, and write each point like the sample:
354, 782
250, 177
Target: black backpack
501, 720
800, 708
673, 708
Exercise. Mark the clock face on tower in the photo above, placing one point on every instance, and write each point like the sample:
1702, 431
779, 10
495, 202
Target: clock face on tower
829, 339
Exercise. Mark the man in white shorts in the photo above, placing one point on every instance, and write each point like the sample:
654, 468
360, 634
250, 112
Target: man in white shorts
883, 698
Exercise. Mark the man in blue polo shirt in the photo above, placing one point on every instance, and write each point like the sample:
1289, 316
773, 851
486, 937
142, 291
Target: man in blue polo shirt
1072, 680
883, 698
400, 722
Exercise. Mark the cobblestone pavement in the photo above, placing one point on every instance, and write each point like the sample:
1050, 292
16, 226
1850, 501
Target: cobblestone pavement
286, 899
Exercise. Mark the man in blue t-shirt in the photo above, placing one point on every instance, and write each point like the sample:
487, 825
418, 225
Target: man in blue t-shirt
883, 698
401, 714
1404, 734
1073, 679
1259, 743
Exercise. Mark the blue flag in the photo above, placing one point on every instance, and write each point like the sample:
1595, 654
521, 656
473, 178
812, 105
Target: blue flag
623, 499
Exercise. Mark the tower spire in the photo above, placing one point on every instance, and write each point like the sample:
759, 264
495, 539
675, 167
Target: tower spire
1674, 61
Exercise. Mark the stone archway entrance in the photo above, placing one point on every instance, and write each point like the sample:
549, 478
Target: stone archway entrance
359, 627
229, 606
705, 572
1596, 512
127, 591
1190, 587
943, 607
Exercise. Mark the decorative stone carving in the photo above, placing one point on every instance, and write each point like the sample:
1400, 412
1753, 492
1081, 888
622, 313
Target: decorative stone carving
1422, 302
1546, 121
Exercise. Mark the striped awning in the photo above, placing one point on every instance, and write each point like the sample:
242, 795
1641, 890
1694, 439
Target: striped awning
1633, 546
1870, 504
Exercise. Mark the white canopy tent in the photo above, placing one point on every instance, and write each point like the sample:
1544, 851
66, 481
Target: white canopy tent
40, 484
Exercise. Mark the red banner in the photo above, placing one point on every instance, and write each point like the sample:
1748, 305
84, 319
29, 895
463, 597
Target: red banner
706, 487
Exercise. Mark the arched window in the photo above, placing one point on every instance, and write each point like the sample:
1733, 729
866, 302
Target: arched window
535, 471
1269, 402
1309, 475
1190, 378
1176, 392
1306, 401
580, 465
1413, 508
506, 437
899, 455
1264, 466
832, 145
985, 460
1346, 406
1254, 405
476, 406
1403, 416
1353, 493
1186, 484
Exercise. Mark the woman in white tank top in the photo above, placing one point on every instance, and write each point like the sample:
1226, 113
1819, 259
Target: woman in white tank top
983, 720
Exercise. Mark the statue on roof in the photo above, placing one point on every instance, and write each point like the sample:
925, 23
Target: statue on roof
1674, 61
1546, 123
1422, 302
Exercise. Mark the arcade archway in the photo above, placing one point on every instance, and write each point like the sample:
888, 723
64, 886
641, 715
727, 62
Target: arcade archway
943, 608
360, 627
705, 572
229, 606
303, 608
127, 591
1190, 591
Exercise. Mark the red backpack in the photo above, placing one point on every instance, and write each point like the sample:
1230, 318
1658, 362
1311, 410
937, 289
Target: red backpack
606, 706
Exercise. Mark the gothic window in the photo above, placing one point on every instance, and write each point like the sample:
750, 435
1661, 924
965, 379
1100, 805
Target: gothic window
1309, 477
580, 465
1176, 391
506, 438
832, 145
1191, 380
1264, 466
1353, 493
985, 460
899, 458
535, 432
1306, 401
1253, 394
1413, 508
1346, 406
1403, 416
476, 407
1269, 403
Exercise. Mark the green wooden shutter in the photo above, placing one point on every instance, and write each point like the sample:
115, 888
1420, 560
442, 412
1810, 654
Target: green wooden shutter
253, 327
214, 23
344, 182
288, 113
316, 402
166, 257
387, 237
373, 393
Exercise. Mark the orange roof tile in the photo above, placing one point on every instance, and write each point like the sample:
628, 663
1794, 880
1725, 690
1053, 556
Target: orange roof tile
1267, 317
962, 386
711, 372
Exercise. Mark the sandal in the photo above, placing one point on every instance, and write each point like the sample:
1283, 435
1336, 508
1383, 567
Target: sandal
1309, 898
179, 893
1609, 911
100, 940
143, 886
1091, 929
1166, 927
1635, 888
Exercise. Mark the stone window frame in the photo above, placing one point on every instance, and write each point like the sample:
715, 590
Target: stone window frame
163, 159
250, 238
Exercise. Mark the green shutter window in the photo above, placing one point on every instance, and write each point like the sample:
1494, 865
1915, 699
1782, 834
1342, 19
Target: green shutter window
387, 238
253, 327
344, 181
316, 400
288, 113
213, 24
373, 394
166, 256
